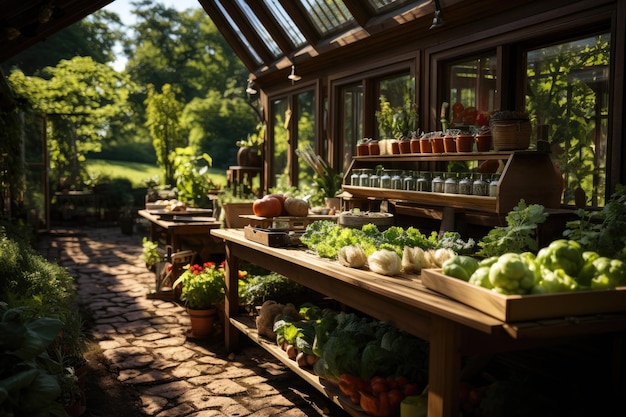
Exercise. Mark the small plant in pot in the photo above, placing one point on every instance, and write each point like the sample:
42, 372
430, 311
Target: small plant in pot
202, 289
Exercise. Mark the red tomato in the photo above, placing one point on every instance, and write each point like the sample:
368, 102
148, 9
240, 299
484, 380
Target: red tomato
267, 207
395, 397
410, 389
378, 388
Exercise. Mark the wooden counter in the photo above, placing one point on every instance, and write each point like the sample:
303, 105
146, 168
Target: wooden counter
452, 329
180, 234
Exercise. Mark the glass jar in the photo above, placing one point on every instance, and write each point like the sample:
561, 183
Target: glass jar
465, 185
396, 180
451, 184
480, 186
493, 185
354, 178
375, 179
364, 178
385, 179
437, 183
422, 183
409, 182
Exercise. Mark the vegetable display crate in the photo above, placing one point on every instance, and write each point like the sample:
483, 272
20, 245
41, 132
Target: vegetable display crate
512, 308
286, 222
273, 238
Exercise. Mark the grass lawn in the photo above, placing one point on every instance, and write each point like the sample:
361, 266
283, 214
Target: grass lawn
137, 172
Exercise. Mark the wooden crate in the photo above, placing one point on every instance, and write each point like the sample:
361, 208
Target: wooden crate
286, 222
511, 308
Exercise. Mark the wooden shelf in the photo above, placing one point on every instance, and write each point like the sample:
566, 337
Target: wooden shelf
247, 326
528, 175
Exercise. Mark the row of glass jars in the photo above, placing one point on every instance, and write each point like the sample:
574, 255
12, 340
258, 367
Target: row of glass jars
439, 182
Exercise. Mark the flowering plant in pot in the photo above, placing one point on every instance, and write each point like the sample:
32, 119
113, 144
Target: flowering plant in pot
202, 288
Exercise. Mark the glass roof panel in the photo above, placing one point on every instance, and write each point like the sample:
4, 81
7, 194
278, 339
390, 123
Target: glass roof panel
286, 22
272, 46
241, 36
327, 15
385, 5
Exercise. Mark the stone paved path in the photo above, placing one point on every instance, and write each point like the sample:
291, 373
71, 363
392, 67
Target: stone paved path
144, 340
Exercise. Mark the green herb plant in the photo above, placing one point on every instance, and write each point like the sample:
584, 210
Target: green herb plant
518, 236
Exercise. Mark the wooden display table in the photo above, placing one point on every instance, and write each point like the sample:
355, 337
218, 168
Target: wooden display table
240, 176
453, 329
191, 233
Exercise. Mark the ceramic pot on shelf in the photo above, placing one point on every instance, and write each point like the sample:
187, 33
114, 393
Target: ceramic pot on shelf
437, 144
464, 142
483, 143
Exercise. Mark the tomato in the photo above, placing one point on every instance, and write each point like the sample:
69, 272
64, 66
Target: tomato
378, 387
267, 207
410, 389
395, 397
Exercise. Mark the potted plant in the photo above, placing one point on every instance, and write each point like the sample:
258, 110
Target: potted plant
250, 149
327, 180
202, 289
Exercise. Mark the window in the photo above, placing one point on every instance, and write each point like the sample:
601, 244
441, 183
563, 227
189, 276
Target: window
396, 114
471, 91
567, 97
352, 120
294, 126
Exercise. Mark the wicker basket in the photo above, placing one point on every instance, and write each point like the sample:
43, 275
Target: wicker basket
509, 135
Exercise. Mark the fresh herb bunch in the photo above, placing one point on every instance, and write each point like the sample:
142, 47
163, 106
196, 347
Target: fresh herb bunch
602, 231
518, 236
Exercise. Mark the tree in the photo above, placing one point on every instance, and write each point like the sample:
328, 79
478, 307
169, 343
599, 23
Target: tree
94, 36
81, 98
163, 113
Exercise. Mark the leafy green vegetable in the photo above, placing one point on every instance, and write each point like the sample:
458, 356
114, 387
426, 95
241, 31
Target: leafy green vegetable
518, 236
604, 231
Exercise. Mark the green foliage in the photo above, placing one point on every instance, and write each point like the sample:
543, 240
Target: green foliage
82, 97
561, 96
163, 118
602, 231
519, 235
151, 254
326, 238
259, 288
328, 181
202, 285
29, 379
192, 180
93, 36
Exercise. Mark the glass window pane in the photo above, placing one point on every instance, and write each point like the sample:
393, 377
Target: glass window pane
472, 91
397, 112
286, 22
280, 162
383, 5
567, 97
236, 29
260, 28
306, 133
352, 121
327, 15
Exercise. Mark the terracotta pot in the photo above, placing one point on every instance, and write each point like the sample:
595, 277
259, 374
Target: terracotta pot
415, 145
362, 149
395, 147
483, 143
202, 322
405, 146
449, 145
437, 144
374, 148
425, 146
464, 143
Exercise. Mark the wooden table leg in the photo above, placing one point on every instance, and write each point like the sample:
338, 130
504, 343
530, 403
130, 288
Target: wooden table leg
231, 300
444, 369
